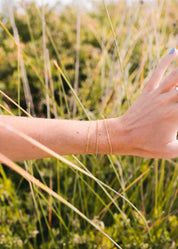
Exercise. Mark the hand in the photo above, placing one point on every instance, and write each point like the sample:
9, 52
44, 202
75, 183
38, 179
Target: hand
152, 121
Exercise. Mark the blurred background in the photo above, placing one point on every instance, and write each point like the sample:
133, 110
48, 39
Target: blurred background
53, 54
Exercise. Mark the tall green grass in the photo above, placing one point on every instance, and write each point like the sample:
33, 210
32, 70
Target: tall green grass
92, 201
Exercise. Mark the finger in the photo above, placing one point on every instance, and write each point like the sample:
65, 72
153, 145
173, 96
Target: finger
170, 82
171, 96
161, 68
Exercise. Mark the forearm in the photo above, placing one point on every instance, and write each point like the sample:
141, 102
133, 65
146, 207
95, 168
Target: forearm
62, 136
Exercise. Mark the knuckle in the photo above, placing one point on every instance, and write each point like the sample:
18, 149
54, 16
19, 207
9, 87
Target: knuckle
175, 73
169, 113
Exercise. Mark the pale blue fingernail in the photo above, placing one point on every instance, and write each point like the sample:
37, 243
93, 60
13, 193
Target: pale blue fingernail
172, 51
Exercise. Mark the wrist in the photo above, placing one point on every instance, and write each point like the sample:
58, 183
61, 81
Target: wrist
109, 136
120, 136
97, 139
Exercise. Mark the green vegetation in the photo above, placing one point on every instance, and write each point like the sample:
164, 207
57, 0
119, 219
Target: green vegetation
132, 200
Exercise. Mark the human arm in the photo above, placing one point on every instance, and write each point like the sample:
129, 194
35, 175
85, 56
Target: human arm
147, 129
61, 136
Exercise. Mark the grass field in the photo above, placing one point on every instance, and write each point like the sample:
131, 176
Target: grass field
72, 63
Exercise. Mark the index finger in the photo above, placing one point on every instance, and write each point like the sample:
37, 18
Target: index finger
160, 70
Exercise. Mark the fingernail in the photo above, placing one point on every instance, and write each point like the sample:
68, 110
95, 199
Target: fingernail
172, 51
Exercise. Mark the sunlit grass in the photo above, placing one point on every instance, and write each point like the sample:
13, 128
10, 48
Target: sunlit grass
79, 201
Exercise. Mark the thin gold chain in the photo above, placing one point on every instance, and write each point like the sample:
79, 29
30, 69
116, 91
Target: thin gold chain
108, 136
88, 138
97, 136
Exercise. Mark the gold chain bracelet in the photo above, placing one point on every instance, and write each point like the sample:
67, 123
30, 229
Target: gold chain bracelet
108, 136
